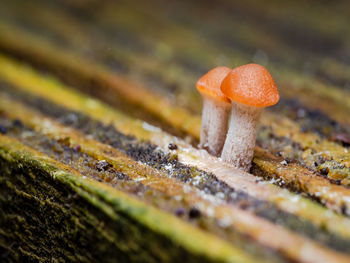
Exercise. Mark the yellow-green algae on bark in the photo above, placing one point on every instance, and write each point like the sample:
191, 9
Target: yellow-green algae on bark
336, 158
95, 105
159, 182
137, 97
293, 80
167, 40
334, 196
132, 220
49, 88
340, 98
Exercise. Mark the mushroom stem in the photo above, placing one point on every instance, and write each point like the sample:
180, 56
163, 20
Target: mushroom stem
214, 125
240, 140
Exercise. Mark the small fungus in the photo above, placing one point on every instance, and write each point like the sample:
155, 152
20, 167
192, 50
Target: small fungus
216, 108
250, 89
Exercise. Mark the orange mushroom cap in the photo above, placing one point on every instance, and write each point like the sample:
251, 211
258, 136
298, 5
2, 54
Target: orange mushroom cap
209, 84
251, 85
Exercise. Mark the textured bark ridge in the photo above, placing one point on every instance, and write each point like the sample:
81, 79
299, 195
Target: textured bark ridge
47, 220
48, 215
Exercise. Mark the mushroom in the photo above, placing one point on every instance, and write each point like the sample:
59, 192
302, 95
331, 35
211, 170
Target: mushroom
216, 108
250, 88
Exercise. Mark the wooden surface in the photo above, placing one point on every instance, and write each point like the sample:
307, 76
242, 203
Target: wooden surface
93, 92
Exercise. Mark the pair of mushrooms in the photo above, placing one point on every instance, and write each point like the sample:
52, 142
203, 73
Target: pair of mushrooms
245, 90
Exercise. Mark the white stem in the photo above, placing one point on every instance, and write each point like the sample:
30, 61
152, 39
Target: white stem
214, 125
240, 140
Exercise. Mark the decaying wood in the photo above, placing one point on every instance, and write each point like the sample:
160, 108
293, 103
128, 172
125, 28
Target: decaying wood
99, 161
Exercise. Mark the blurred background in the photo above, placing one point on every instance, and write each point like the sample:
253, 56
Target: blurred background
167, 45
